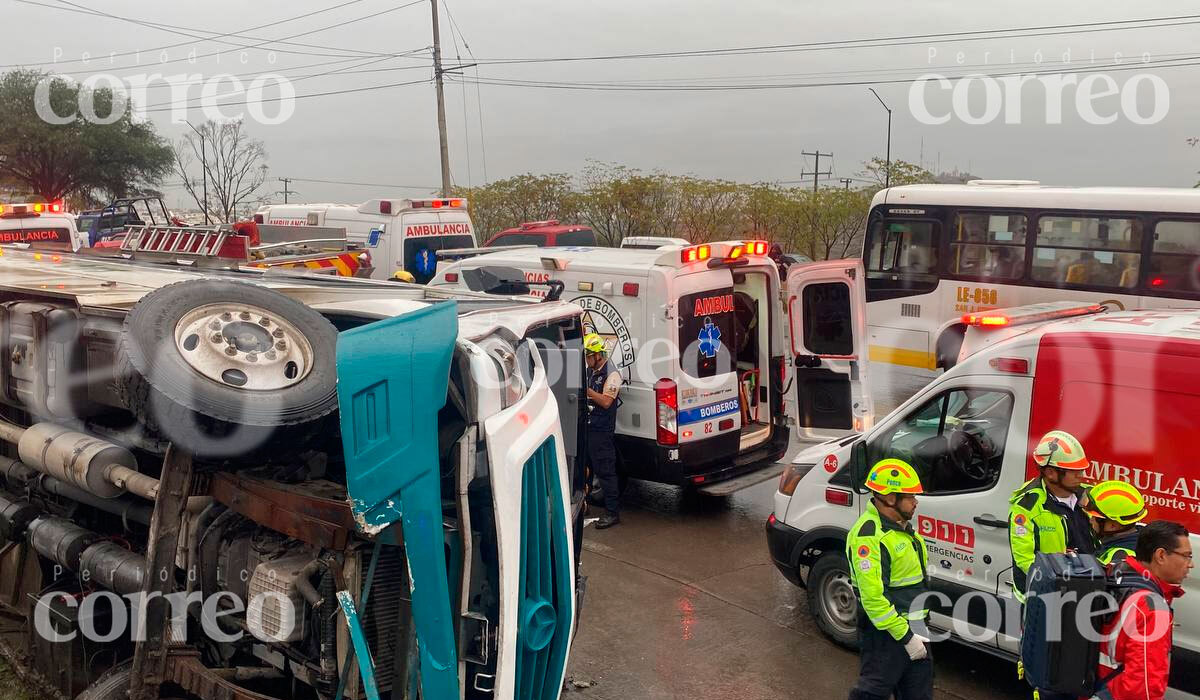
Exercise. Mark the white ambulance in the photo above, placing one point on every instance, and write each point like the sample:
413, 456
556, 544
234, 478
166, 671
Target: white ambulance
44, 225
1125, 383
711, 345
402, 234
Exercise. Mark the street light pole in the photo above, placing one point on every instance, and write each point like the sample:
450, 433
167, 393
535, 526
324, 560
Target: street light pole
887, 175
203, 171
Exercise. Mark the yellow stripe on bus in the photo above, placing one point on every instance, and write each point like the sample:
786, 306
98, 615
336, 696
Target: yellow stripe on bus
901, 356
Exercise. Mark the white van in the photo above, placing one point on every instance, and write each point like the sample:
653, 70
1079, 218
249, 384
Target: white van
1125, 383
710, 342
403, 234
44, 225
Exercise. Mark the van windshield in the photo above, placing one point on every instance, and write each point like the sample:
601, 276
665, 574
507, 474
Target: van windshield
420, 254
706, 332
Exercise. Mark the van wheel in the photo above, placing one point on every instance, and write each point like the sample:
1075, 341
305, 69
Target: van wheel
832, 600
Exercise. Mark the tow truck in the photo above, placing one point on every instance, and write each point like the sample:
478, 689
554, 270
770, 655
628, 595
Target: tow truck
301, 485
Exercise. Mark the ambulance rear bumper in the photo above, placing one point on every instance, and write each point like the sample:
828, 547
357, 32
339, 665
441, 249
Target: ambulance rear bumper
698, 462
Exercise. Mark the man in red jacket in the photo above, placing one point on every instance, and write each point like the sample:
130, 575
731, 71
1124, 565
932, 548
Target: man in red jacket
1139, 637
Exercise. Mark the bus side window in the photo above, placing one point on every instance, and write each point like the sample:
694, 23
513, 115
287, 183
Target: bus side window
1175, 258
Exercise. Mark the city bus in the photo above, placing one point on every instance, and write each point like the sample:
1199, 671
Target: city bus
935, 253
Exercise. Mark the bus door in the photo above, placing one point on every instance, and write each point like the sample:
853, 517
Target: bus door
827, 307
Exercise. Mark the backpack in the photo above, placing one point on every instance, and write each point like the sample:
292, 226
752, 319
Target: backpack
1070, 664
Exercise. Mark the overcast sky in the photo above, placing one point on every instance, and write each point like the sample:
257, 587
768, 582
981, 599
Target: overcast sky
388, 136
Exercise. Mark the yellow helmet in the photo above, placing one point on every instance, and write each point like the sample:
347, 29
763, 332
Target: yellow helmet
592, 342
1061, 449
1116, 501
893, 476
403, 276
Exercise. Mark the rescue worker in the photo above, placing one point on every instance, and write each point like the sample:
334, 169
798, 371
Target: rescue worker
1047, 513
888, 569
1116, 508
1139, 637
603, 388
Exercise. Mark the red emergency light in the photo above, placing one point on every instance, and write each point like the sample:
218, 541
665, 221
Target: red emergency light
385, 206
695, 254
756, 247
986, 320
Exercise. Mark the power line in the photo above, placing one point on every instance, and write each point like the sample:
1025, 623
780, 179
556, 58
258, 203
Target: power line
187, 31
368, 88
478, 91
259, 44
184, 43
880, 42
1190, 60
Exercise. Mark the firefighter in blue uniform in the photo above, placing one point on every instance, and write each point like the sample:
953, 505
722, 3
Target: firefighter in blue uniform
603, 388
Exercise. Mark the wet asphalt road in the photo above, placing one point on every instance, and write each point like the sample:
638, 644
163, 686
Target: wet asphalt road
684, 602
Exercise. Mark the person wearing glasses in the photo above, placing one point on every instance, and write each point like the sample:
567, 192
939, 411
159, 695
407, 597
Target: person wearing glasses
1138, 639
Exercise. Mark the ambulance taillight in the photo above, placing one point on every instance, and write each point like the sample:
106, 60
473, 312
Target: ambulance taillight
666, 411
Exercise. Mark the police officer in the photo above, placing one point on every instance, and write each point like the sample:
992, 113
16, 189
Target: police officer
1116, 509
1047, 514
603, 387
887, 567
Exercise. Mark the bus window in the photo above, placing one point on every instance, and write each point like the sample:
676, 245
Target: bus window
1175, 262
988, 245
901, 258
1087, 251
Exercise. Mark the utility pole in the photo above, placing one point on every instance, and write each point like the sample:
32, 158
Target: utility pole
287, 181
203, 170
817, 166
846, 181
441, 102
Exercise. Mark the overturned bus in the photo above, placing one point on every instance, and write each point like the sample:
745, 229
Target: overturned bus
222, 482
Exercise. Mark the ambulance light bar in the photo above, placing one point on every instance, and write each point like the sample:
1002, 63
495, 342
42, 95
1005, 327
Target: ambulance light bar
31, 209
1033, 313
695, 253
426, 204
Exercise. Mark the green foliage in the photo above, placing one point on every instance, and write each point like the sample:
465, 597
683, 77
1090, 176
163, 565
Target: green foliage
903, 172
81, 159
618, 201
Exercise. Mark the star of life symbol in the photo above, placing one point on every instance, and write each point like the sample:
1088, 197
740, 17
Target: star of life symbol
425, 261
710, 339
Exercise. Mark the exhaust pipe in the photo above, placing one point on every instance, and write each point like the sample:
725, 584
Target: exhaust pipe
94, 465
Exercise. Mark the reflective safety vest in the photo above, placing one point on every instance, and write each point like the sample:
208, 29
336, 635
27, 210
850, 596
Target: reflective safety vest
1033, 528
888, 569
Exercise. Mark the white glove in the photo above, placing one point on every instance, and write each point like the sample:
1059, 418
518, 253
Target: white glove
916, 648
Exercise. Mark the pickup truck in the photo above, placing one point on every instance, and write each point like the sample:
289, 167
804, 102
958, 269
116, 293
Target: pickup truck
296, 485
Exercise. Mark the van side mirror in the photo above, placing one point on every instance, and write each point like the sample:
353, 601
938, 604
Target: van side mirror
859, 467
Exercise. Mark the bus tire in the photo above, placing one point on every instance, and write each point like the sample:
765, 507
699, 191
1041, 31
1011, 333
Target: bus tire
948, 346
173, 375
832, 600
113, 685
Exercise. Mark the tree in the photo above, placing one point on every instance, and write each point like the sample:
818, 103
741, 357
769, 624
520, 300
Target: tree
708, 209
836, 219
512, 201
902, 173
60, 157
617, 202
233, 162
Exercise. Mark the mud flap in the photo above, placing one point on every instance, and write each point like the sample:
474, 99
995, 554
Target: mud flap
392, 380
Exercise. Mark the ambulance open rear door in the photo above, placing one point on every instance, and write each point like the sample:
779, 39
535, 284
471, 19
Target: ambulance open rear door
826, 307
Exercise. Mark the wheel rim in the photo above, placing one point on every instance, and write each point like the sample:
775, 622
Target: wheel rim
839, 603
243, 346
